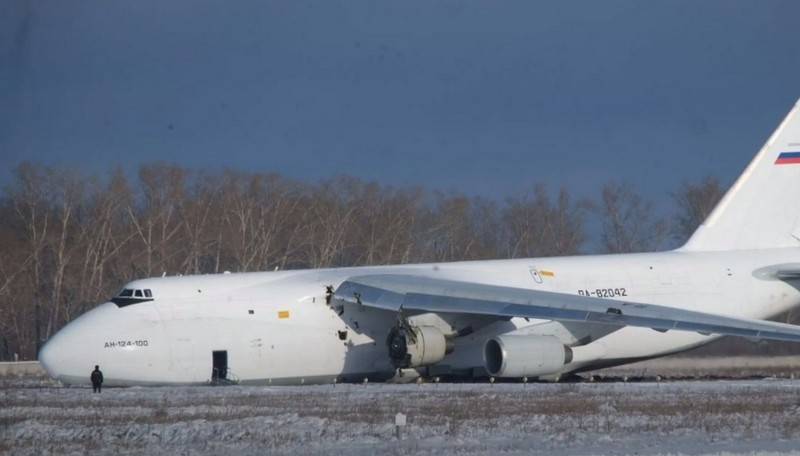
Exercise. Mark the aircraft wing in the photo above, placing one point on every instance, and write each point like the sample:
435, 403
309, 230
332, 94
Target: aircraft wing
406, 292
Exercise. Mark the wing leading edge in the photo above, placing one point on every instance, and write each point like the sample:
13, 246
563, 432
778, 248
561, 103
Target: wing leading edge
407, 292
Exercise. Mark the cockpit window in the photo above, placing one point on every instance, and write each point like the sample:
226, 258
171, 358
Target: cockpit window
129, 296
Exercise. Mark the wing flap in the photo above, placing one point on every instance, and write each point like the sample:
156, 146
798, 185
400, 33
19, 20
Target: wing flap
406, 292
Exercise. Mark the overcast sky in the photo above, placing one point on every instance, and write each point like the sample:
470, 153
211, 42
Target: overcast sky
481, 97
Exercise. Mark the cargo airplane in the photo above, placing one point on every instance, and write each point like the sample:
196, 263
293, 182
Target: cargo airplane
537, 318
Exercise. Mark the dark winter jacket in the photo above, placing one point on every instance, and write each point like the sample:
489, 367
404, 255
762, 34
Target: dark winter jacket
97, 377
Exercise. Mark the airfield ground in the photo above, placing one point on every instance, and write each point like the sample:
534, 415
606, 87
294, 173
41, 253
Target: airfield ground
692, 417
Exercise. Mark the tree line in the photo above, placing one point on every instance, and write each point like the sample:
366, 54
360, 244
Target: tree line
70, 240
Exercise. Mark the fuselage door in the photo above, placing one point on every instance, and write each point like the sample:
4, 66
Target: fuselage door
219, 366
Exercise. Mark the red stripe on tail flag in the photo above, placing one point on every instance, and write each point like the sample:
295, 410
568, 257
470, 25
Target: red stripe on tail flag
788, 158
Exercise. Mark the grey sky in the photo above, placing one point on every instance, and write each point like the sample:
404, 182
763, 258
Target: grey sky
481, 97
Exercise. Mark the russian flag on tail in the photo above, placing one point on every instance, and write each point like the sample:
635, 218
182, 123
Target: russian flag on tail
788, 158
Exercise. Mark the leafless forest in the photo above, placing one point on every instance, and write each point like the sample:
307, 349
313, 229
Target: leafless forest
70, 240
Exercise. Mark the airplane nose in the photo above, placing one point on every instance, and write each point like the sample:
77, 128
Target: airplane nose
66, 356
125, 343
49, 356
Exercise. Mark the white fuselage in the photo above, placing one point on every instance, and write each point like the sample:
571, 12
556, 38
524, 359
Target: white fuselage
276, 327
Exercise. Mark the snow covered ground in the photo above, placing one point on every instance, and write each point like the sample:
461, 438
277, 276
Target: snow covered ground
734, 367
741, 417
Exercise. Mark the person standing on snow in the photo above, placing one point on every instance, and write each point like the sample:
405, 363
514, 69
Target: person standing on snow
97, 379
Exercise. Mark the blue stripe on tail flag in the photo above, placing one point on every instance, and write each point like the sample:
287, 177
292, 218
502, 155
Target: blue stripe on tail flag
788, 158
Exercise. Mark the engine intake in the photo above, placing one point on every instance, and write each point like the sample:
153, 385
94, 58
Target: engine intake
525, 356
417, 346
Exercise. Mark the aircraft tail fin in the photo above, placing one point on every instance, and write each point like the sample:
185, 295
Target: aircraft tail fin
762, 209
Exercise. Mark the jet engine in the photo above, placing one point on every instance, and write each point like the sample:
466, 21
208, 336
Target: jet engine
417, 346
525, 356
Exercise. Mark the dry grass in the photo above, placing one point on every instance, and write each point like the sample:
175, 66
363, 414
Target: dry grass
52, 420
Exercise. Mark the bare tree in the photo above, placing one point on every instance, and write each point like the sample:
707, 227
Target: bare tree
695, 202
29, 199
15, 261
384, 221
261, 220
629, 222
66, 195
197, 213
538, 227
457, 228
330, 215
155, 220
102, 264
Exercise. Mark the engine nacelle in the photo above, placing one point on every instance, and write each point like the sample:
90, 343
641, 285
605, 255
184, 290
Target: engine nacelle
525, 356
417, 346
